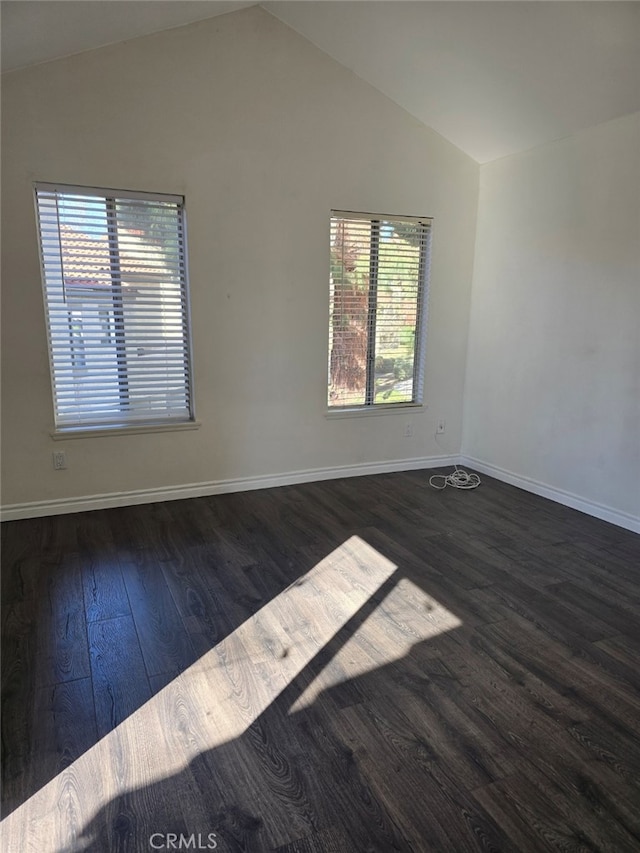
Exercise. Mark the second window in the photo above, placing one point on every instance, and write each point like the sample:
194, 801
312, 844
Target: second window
378, 297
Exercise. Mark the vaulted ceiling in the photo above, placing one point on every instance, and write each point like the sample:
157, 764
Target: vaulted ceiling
494, 78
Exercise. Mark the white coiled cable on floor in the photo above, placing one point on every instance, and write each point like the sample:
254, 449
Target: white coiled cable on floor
459, 479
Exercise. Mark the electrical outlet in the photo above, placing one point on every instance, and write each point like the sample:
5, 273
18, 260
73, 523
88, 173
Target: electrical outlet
59, 460
408, 430
440, 427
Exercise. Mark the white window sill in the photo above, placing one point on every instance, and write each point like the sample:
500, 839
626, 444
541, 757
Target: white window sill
66, 433
375, 411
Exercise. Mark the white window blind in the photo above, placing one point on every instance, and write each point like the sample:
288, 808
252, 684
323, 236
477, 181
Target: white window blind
115, 289
378, 298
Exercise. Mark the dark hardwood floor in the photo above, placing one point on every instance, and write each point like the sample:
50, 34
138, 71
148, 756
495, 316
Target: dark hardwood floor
339, 667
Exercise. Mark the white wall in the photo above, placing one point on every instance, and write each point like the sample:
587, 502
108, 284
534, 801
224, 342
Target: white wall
263, 134
553, 378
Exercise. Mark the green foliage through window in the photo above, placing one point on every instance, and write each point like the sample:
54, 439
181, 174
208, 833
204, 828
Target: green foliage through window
378, 279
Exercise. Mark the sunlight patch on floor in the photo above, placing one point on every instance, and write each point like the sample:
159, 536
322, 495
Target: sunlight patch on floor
220, 695
405, 617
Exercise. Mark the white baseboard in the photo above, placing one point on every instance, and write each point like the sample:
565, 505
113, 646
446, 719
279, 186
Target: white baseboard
62, 506
84, 503
606, 513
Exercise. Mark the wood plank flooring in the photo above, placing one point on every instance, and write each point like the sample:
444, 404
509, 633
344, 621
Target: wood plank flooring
356, 666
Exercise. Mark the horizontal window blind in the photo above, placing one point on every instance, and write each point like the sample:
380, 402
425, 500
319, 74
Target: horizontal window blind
378, 297
115, 289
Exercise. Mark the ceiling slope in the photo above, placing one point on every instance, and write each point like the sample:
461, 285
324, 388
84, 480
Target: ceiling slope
35, 31
493, 78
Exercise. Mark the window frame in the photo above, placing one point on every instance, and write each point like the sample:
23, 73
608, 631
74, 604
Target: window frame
369, 406
113, 425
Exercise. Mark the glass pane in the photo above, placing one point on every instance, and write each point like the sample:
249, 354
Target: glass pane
87, 370
397, 311
349, 298
154, 336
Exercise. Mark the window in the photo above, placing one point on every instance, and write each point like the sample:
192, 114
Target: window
115, 288
378, 296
